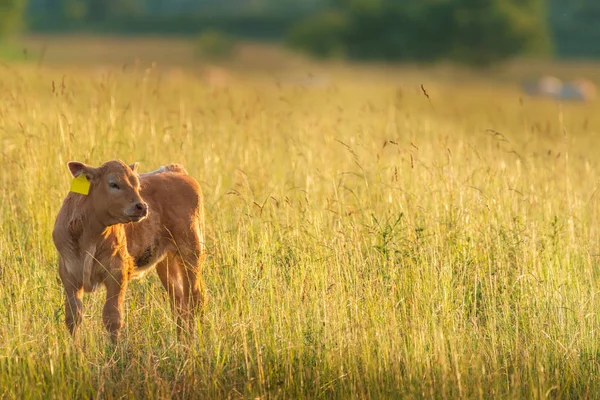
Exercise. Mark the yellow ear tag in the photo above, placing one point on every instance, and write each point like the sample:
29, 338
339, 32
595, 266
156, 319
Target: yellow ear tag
80, 185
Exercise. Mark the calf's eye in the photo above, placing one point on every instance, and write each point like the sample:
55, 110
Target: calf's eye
114, 185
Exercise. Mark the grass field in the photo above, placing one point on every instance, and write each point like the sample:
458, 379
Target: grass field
365, 241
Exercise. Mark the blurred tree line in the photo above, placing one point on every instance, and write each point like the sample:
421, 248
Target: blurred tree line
476, 32
253, 18
472, 31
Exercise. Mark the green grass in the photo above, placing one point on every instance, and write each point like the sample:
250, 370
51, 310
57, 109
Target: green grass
364, 242
11, 51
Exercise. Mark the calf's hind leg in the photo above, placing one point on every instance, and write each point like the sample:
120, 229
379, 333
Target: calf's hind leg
193, 284
169, 273
184, 286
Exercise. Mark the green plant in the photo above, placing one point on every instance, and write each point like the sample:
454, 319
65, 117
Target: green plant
322, 35
214, 44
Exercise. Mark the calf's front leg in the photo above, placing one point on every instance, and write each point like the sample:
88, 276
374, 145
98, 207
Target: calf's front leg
73, 309
73, 295
112, 313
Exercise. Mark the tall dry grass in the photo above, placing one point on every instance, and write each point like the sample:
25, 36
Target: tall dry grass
365, 242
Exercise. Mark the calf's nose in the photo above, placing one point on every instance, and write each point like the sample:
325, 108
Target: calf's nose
141, 207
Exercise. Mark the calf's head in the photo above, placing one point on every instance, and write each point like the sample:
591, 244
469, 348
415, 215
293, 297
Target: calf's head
114, 191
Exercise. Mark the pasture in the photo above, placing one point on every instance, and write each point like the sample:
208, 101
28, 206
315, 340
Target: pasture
365, 241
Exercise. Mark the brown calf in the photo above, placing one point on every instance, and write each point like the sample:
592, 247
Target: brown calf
126, 224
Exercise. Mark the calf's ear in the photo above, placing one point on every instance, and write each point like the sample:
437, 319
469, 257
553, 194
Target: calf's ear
134, 167
77, 168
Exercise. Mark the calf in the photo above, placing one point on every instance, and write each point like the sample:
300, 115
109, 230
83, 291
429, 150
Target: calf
126, 224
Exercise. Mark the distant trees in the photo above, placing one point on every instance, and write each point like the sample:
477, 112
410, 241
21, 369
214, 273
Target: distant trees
84, 10
249, 18
470, 31
575, 27
11, 15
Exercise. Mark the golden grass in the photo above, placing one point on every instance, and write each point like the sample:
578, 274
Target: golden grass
365, 242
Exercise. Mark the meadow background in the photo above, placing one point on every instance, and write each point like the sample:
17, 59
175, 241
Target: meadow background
375, 230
